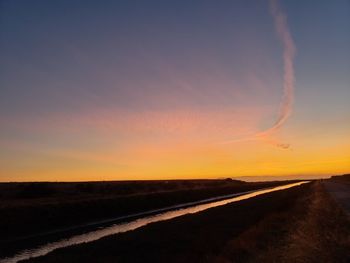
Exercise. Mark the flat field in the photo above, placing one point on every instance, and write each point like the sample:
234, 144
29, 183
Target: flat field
300, 224
34, 213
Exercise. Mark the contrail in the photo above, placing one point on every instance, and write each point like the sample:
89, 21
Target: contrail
286, 106
288, 60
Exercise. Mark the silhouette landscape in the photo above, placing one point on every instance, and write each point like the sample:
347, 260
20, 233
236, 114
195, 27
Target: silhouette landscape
175, 131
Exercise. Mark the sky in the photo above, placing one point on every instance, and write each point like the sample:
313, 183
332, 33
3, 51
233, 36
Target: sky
130, 90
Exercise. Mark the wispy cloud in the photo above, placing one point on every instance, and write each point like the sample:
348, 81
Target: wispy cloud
286, 107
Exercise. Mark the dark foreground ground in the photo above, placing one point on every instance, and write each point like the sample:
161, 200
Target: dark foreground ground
28, 210
301, 224
339, 188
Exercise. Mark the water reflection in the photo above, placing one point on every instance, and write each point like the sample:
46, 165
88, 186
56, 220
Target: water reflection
129, 226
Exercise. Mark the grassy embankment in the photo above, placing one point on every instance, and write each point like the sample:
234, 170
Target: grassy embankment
315, 230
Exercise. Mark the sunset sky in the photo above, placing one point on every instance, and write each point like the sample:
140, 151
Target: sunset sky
124, 90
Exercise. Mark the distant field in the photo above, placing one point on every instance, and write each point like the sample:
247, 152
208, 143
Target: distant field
301, 224
29, 209
345, 178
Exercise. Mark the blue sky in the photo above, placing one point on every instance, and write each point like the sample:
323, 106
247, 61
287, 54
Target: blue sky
92, 78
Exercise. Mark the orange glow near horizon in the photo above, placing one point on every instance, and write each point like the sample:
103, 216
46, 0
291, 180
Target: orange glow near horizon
176, 90
180, 149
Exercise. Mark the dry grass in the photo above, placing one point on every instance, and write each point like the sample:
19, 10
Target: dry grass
315, 230
323, 235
